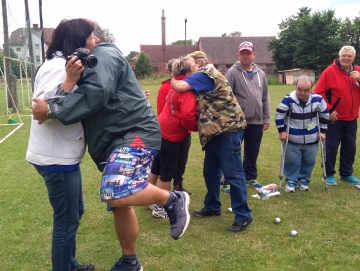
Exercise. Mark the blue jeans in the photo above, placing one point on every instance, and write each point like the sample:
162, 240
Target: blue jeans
299, 161
341, 133
66, 199
223, 156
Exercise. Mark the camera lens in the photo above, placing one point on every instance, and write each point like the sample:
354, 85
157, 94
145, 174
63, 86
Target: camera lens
91, 61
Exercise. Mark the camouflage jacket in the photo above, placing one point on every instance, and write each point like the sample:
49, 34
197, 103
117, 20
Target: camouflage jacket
217, 110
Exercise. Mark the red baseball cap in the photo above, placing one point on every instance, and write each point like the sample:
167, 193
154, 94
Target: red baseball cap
246, 45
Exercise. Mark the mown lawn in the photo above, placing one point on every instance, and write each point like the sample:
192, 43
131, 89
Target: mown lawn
327, 223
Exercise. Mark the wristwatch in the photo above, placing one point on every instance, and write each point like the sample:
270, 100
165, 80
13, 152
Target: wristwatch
50, 114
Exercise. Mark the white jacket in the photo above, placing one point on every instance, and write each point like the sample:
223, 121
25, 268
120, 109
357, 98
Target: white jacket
52, 143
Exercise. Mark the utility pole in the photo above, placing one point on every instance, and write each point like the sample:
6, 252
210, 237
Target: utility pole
30, 45
185, 34
42, 31
6, 42
9, 84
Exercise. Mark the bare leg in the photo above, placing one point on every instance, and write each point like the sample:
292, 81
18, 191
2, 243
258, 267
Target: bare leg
152, 178
127, 229
150, 195
164, 185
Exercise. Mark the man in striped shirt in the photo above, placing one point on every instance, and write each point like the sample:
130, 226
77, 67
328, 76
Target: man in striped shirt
299, 110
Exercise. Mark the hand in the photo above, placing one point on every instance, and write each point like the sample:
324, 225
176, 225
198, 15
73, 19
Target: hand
73, 68
282, 136
147, 93
356, 75
266, 126
322, 137
39, 110
333, 116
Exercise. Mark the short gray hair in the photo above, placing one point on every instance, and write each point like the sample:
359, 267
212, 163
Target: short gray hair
304, 78
347, 48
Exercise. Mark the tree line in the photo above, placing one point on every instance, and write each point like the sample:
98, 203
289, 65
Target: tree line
313, 40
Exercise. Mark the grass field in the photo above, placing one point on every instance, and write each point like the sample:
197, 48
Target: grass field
327, 223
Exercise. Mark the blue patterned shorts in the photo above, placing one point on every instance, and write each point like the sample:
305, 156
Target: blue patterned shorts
126, 172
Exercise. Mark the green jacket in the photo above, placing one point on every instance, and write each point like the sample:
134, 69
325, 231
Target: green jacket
217, 110
111, 105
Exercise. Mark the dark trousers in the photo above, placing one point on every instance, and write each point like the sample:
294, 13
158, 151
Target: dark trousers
252, 139
344, 133
182, 160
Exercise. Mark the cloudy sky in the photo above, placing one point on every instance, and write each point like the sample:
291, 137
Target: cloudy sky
138, 22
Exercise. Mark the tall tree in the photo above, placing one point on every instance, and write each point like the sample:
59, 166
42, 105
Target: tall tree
350, 34
143, 65
132, 54
308, 41
181, 42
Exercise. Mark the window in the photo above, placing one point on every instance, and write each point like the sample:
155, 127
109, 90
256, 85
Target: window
18, 49
37, 59
37, 46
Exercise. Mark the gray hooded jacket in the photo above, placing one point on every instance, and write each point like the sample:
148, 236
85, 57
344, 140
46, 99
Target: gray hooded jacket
251, 94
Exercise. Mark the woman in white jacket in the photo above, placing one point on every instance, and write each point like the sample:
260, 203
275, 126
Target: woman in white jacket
56, 150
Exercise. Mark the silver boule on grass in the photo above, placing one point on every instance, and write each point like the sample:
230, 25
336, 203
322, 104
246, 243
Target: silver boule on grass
293, 233
277, 220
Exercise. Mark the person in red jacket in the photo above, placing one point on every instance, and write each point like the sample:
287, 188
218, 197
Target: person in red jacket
177, 118
339, 85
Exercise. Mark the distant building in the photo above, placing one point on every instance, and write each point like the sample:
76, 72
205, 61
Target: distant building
18, 41
290, 77
222, 51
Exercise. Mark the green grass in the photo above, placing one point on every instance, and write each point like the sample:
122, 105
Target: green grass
327, 223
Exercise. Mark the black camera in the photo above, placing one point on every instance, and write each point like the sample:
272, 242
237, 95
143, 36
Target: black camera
87, 59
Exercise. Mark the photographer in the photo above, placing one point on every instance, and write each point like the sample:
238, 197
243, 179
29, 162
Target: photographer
122, 132
56, 150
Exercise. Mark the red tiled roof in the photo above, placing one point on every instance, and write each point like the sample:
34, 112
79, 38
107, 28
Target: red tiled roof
154, 52
223, 50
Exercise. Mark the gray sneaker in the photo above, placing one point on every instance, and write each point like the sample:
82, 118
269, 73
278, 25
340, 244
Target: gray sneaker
178, 212
159, 212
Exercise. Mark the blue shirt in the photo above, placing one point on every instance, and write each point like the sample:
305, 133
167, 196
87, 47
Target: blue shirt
200, 82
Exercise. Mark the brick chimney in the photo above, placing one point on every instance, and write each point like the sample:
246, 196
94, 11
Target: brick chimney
163, 44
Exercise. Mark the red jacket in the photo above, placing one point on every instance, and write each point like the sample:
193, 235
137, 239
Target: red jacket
161, 96
178, 117
340, 92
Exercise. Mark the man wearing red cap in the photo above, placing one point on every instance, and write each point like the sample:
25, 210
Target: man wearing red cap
250, 87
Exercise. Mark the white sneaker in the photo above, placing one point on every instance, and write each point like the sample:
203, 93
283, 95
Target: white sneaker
152, 207
159, 212
303, 185
290, 186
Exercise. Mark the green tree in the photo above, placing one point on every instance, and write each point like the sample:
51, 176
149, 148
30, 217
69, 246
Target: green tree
143, 65
308, 41
132, 54
232, 34
350, 34
180, 42
15, 65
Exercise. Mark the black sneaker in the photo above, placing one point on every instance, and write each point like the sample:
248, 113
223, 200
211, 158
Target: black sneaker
239, 226
85, 267
180, 188
178, 213
122, 265
205, 212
